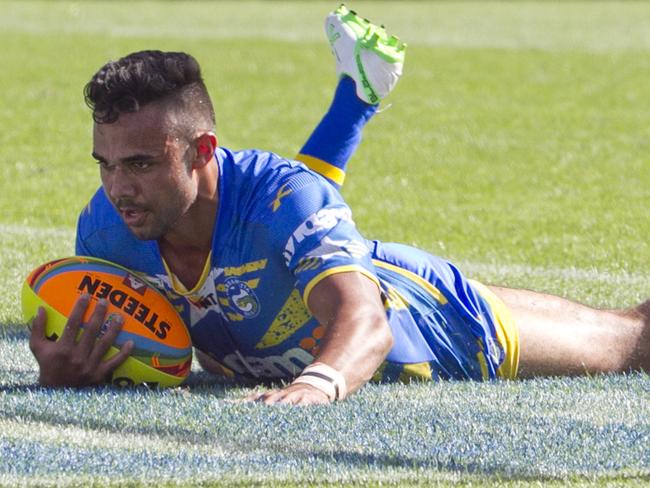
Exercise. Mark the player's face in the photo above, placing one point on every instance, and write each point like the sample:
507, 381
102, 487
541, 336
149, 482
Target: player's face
145, 171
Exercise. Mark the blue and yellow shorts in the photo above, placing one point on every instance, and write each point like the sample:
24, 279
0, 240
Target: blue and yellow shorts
444, 325
506, 330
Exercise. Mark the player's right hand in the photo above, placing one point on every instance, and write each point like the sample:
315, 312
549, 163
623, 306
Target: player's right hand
68, 362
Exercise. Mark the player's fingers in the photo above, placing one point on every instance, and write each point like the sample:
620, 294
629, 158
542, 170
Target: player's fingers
37, 325
75, 319
277, 396
302, 395
107, 339
91, 329
107, 367
310, 399
254, 397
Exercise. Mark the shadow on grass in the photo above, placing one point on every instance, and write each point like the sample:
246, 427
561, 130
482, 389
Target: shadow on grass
437, 461
478, 468
197, 383
45, 397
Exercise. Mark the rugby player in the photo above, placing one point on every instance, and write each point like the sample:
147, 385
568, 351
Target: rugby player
262, 258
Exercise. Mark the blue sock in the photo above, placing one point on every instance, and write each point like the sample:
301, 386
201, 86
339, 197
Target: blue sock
336, 137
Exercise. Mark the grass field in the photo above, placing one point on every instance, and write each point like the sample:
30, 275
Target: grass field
516, 145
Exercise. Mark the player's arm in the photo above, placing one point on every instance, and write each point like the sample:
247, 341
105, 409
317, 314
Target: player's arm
357, 337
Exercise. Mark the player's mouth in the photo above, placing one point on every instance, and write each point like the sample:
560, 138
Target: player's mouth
133, 216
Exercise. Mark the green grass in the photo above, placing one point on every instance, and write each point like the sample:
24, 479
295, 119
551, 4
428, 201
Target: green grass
516, 145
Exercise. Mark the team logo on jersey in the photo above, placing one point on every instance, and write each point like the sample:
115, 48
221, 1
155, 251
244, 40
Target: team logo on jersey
282, 192
242, 298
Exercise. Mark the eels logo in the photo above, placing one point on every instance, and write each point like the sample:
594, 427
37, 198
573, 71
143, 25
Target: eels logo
242, 298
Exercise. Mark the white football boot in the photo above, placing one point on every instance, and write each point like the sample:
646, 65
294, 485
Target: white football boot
365, 53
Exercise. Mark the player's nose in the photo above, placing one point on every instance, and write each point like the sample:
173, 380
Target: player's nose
119, 183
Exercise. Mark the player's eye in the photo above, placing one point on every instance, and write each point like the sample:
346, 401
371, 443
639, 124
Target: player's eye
140, 165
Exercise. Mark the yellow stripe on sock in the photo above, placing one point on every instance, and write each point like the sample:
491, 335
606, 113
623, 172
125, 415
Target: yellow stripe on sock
323, 168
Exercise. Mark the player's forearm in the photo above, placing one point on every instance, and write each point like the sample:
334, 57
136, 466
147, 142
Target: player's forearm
357, 337
356, 343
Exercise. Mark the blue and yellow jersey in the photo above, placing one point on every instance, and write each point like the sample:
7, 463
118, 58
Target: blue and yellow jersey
280, 229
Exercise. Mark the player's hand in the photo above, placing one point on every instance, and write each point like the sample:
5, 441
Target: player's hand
299, 394
68, 362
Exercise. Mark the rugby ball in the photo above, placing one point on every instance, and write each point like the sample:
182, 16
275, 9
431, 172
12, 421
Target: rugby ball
162, 355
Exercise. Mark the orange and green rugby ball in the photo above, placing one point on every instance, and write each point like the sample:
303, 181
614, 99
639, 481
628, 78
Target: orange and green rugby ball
162, 355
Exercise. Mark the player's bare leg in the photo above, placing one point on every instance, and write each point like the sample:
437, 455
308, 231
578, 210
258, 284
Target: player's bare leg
559, 337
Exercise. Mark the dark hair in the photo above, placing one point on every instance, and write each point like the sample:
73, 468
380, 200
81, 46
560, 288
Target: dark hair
126, 85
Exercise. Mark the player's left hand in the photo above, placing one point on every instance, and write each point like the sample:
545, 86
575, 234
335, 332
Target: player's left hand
299, 394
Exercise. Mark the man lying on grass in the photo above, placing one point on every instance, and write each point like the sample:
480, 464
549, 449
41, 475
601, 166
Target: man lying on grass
263, 259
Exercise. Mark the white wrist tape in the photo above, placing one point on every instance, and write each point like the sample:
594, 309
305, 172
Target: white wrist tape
324, 378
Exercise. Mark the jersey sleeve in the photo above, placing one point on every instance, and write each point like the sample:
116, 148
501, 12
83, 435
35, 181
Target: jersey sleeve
313, 229
102, 234
86, 243
81, 248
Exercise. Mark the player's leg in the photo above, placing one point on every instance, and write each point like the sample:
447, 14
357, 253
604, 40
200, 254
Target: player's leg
558, 337
369, 64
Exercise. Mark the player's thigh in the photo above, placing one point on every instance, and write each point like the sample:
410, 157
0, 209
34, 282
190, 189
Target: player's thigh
561, 337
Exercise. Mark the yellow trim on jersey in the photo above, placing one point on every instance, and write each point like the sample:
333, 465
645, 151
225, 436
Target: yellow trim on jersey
413, 371
437, 294
332, 271
507, 332
337, 175
179, 287
291, 317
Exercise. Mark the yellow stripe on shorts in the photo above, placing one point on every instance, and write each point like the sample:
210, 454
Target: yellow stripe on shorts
337, 175
507, 332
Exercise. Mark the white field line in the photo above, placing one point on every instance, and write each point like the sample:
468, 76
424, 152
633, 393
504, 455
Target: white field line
554, 273
606, 30
16, 230
469, 268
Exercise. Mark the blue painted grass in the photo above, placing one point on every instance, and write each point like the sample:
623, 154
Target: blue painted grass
548, 429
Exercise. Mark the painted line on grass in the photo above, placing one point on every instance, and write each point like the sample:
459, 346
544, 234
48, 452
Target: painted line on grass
17, 230
614, 34
554, 273
470, 268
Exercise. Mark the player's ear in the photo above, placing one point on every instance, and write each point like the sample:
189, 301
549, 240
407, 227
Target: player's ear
205, 146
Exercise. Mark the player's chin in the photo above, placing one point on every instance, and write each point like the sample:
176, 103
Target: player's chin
147, 232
